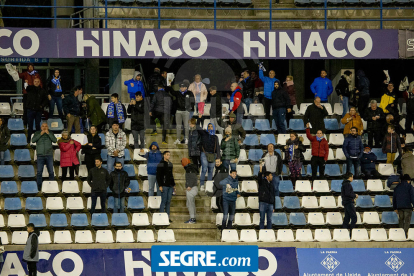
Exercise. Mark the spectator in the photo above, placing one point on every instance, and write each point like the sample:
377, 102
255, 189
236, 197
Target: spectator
4, 139
36, 101
199, 90
389, 121
289, 86
273, 163
352, 119
322, 87
362, 90
267, 203
269, 86
154, 80
92, 149
248, 89
294, 155
315, 113
403, 201
258, 87
353, 150
95, 113
238, 131
344, 90
72, 109
31, 250
153, 157
368, 160
98, 179
185, 106
320, 152
44, 152
135, 85
230, 193
166, 182
216, 109
348, 197
136, 109
375, 120
236, 106
231, 150
407, 162
116, 111
191, 177
194, 143
409, 99
220, 174
69, 149
391, 144
55, 93
115, 142
388, 97
210, 151
280, 105
160, 108
119, 183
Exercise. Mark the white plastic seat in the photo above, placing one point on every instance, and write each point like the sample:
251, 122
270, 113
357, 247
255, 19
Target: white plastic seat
83, 171
229, 235
244, 171
219, 218
2, 224
281, 139
303, 107
137, 156
18, 108
44, 237
213, 203
89, 203
166, 235
410, 234
338, 109
323, 235
316, 219
409, 138
248, 235
19, 237
336, 139
303, 186
328, 107
334, 218
209, 186
63, 237
304, 235
140, 219
375, 185
154, 202
256, 219
242, 219
16, 221
145, 187
340, 155
310, 202
285, 235
74, 203
359, 220
50, 187
360, 234
56, 155
306, 141
240, 203
145, 236
79, 137
331, 156
256, 110
70, 187
104, 236
249, 187
308, 154
327, 202
242, 155
4, 238
340, 202
253, 202
142, 170
127, 124
54, 203
125, 236
83, 236
5, 109
386, 169
267, 235
371, 218
341, 235
378, 234
321, 186
86, 188
397, 234
160, 219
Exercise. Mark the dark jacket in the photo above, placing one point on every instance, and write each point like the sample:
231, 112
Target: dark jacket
347, 192
315, 116
191, 176
237, 131
36, 98
137, 115
234, 183
391, 143
161, 102
185, 101
280, 98
95, 112
99, 179
266, 191
51, 87
4, 137
403, 197
153, 159
409, 99
297, 153
71, 105
119, 182
368, 162
247, 87
319, 149
194, 142
291, 92
165, 174
209, 143
362, 83
216, 110
342, 88
96, 143
353, 147
153, 82
398, 128
231, 149
220, 174
374, 124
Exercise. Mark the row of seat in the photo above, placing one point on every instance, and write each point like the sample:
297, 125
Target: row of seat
294, 124
195, 2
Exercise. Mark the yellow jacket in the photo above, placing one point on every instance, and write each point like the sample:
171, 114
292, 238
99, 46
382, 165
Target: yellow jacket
386, 99
354, 122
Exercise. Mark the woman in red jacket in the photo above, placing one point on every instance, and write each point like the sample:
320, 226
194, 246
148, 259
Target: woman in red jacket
320, 151
68, 155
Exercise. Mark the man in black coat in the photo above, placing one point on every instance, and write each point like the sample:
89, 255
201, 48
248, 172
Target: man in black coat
160, 108
71, 107
136, 109
119, 186
220, 174
36, 101
99, 180
166, 183
403, 202
348, 198
315, 113
280, 105
267, 204
375, 120
216, 110
247, 86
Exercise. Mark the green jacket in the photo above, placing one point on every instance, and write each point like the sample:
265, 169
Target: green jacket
44, 143
231, 148
95, 112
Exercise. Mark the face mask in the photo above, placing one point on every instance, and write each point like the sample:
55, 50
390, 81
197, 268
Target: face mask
118, 170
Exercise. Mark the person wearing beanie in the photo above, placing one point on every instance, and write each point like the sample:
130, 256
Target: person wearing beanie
237, 131
191, 187
231, 150
135, 85
344, 89
403, 202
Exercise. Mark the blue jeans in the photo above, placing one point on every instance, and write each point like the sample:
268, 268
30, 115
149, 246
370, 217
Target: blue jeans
229, 208
204, 166
248, 102
33, 116
152, 181
166, 196
279, 115
58, 102
43, 160
265, 209
226, 163
357, 166
345, 105
117, 208
276, 181
111, 162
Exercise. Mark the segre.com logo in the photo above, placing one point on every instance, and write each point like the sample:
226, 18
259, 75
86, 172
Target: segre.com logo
207, 258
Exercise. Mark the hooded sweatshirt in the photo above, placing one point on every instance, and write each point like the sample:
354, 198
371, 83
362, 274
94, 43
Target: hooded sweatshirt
322, 88
209, 141
363, 83
137, 85
280, 98
268, 84
347, 192
154, 157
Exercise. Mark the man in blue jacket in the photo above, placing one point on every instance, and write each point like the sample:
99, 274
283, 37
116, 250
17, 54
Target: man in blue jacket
154, 157
135, 85
230, 194
403, 202
353, 150
322, 87
368, 160
348, 197
268, 89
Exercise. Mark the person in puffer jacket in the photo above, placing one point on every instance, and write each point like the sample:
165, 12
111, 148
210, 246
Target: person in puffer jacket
154, 157
362, 91
69, 149
368, 160
388, 97
322, 87
230, 194
353, 150
391, 144
135, 85
320, 152
294, 155
231, 150
352, 119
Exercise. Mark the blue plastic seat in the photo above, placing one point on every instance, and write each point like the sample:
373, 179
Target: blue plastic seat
12, 204
247, 124
120, 220
389, 218
29, 188
6, 171
129, 168
15, 125
34, 204
279, 219
380, 155
309, 170
7, 156
297, 219
364, 201
111, 202
262, 124
382, 201
136, 203
344, 168
336, 186
18, 140
284, 170
52, 124
331, 124
58, 220
256, 170
26, 171
286, 187
358, 186
39, 220
79, 220
332, 170
274, 127
127, 155
9, 188
291, 202
22, 155
104, 155
102, 138
296, 125
134, 186
251, 140
100, 220
255, 154
266, 139
278, 203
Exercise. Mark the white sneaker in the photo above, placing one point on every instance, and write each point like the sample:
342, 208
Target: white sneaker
186, 141
202, 188
177, 142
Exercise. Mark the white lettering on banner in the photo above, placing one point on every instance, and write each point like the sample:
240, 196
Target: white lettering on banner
44, 256
76, 259
130, 264
330, 44
8, 51
166, 44
129, 46
272, 44
81, 43
12, 266
368, 44
149, 44
106, 51
17, 40
248, 44
315, 44
294, 47
203, 43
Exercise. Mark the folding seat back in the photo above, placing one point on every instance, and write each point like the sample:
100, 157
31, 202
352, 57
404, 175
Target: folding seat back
70, 187
378, 234
358, 186
336, 139
19, 237
124, 236
303, 186
279, 219
55, 124
262, 124
316, 219
244, 170
359, 234
39, 220
386, 169
297, 219
249, 187
266, 139
389, 218
83, 236
255, 154
129, 168
341, 235
160, 219
257, 110
74, 203
278, 203
242, 219
154, 202
134, 186
15, 124
267, 235
21, 155
248, 235
291, 202
336, 186
304, 235
12, 204
16, 221
364, 201
247, 124
327, 202
382, 201
229, 235
240, 203
253, 202
251, 140
334, 218
375, 185
371, 218
136, 203
79, 220
9, 188
6, 172
323, 235
310, 202
332, 170
58, 220
145, 236
104, 236
29, 187
331, 124
281, 139
285, 235
100, 220
140, 219
166, 235
296, 125
321, 186
34, 204
286, 186
54, 203
397, 234
50, 187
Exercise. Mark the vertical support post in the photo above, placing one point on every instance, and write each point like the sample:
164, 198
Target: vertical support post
55, 14
381, 14
159, 14
270, 14
326, 14
215, 14
106, 14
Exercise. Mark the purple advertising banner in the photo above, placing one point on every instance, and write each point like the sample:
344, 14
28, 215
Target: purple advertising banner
205, 44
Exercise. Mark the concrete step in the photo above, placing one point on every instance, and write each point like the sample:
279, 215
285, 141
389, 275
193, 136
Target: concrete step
181, 201
197, 235
202, 216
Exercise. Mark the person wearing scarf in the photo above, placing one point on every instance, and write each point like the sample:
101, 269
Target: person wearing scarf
55, 91
289, 86
294, 156
320, 152
236, 106
69, 149
116, 111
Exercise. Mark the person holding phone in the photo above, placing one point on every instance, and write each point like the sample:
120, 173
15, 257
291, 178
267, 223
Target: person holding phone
352, 119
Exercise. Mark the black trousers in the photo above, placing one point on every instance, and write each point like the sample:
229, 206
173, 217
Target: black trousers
196, 161
219, 203
350, 215
164, 121
363, 104
71, 172
375, 135
32, 267
409, 119
316, 162
289, 115
267, 104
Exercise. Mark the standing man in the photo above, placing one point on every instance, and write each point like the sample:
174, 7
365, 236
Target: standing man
153, 157
191, 187
403, 201
71, 108
154, 80
315, 113
266, 197
220, 174
248, 89
166, 182
135, 85
44, 150
348, 197
268, 89
320, 152
409, 99
353, 150
136, 109
31, 250
36, 102
161, 105
362, 91
185, 106
344, 89
55, 91
280, 104
236, 106
119, 182
116, 111
216, 110
99, 180
322, 87
375, 121
230, 194
194, 139
115, 141
273, 163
